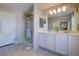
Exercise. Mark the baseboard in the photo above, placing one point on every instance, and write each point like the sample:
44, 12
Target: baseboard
59, 54
6, 45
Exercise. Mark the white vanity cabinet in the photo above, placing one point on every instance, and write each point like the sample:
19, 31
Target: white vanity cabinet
51, 42
42, 40
54, 42
73, 45
61, 43
47, 40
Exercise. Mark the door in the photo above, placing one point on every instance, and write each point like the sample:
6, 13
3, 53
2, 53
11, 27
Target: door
61, 43
8, 28
29, 31
73, 45
51, 41
42, 37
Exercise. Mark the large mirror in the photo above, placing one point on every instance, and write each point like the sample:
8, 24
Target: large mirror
63, 18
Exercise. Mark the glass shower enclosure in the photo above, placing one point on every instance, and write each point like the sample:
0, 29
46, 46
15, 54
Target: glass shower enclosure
29, 31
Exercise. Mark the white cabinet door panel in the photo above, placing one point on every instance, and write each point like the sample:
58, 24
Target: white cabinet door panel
73, 45
42, 37
61, 44
51, 42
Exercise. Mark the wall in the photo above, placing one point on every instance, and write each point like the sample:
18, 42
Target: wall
38, 14
19, 23
20, 28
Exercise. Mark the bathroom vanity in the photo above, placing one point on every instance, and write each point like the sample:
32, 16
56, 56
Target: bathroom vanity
62, 35
62, 43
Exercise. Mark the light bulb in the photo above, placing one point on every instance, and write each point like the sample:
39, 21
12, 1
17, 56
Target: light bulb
64, 8
54, 11
59, 10
50, 12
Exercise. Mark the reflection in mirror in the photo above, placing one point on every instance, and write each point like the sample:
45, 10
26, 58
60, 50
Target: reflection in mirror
67, 17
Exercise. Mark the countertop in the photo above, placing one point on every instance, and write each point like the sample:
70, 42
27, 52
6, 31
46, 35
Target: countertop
63, 33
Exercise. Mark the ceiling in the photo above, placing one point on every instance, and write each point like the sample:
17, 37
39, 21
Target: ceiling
44, 6
24, 7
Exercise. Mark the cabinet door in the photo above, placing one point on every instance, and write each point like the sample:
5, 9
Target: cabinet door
51, 42
42, 37
61, 43
73, 45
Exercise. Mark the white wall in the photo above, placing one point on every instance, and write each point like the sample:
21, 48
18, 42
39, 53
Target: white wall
20, 28
37, 14
19, 23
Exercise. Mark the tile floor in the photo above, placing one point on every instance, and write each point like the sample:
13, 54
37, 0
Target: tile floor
20, 50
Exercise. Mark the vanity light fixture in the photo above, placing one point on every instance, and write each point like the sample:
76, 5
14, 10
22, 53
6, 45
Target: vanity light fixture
59, 10
50, 12
54, 11
64, 8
